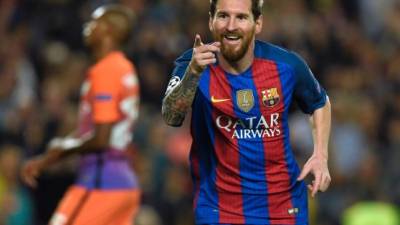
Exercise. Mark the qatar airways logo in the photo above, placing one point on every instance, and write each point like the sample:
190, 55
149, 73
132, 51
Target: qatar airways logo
250, 127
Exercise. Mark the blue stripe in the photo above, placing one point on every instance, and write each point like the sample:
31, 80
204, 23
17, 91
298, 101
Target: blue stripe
103, 97
207, 202
252, 162
194, 152
299, 199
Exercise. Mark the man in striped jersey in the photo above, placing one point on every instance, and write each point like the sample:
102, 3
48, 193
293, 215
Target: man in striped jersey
240, 90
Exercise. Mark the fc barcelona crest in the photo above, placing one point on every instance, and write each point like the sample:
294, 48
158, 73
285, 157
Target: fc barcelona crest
270, 97
245, 99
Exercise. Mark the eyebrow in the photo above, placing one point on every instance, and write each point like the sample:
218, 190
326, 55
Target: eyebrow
237, 14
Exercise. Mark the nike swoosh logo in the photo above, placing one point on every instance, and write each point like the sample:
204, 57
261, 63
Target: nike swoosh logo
216, 100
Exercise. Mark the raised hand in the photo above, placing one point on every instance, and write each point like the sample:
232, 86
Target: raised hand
203, 55
319, 168
177, 102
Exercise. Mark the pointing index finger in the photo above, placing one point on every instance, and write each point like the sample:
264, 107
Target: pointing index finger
303, 173
197, 41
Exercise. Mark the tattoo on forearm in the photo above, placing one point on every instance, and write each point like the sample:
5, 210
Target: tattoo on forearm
177, 102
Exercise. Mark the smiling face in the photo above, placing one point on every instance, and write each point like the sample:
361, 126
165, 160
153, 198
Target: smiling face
233, 25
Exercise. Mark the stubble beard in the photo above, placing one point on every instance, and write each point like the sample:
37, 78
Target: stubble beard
230, 53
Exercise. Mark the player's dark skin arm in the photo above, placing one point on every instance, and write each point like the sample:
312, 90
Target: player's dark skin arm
98, 142
176, 104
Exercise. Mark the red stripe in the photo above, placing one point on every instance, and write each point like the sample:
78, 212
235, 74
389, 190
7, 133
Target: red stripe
228, 181
266, 76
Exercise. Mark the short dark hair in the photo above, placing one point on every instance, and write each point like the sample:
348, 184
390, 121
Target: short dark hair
120, 18
256, 7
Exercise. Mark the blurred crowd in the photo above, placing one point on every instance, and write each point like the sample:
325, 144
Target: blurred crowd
352, 46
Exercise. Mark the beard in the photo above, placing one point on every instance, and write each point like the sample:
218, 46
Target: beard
234, 53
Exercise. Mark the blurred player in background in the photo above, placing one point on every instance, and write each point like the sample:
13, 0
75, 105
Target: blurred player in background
106, 191
240, 91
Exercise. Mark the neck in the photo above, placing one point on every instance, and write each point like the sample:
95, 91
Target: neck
103, 49
237, 67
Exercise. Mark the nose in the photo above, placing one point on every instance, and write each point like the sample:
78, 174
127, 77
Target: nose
231, 24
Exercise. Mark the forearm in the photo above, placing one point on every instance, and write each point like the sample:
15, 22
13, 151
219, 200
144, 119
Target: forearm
68, 146
321, 125
83, 146
176, 104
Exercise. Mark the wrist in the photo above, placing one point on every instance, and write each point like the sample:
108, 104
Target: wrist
195, 70
53, 155
320, 155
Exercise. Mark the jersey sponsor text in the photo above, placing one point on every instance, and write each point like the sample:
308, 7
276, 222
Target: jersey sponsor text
250, 127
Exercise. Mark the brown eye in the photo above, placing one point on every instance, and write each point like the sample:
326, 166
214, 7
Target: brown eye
222, 15
242, 17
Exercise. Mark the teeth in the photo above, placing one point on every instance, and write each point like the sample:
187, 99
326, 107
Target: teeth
231, 37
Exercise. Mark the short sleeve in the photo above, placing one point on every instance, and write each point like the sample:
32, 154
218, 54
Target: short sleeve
104, 97
308, 93
181, 64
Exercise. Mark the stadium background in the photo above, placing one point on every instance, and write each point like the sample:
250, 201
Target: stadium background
352, 46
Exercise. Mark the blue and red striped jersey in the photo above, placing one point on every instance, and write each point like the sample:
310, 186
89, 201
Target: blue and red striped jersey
242, 164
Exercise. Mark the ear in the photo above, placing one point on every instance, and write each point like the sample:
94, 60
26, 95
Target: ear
210, 22
259, 23
109, 38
